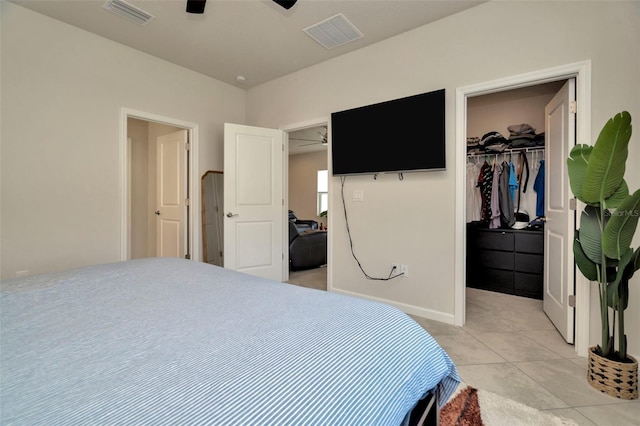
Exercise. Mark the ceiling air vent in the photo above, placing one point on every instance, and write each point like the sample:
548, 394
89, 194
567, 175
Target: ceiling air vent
333, 32
129, 11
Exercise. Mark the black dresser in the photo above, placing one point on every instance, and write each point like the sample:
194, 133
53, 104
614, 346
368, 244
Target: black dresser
506, 260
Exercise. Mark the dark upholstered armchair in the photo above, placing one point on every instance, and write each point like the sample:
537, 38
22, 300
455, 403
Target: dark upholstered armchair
307, 248
302, 224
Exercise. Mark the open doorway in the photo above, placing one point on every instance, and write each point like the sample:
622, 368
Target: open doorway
581, 73
159, 202
507, 151
307, 201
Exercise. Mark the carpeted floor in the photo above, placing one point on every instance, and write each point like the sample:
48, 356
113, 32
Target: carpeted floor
475, 407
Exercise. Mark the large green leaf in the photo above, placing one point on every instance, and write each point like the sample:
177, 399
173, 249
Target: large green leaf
618, 290
606, 167
590, 236
617, 197
632, 266
577, 167
620, 228
585, 265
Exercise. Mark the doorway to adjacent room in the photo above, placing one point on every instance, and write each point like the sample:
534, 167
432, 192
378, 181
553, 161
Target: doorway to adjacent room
159, 201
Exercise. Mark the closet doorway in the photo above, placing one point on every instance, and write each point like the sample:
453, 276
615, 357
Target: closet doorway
505, 193
509, 101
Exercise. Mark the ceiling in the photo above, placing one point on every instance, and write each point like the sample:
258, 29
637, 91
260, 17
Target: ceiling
256, 39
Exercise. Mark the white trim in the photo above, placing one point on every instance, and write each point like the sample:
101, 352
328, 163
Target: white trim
582, 72
430, 314
127, 178
288, 129
194, 178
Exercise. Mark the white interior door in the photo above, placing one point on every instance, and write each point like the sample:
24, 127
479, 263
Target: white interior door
558, 235
170, 194
254, 200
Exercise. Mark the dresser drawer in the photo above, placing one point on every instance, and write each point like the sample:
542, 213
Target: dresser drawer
529, 242
495, 259
495, 280
494, 240
532, 263
528, 285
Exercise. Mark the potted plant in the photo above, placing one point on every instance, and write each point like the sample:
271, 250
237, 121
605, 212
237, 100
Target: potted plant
602, 248
323, 214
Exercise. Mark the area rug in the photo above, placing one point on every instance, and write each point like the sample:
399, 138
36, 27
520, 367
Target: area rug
474, 407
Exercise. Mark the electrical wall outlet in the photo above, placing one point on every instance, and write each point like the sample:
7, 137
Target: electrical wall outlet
404, 270
399, 269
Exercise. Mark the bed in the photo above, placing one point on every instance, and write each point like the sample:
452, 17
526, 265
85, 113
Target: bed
171, 341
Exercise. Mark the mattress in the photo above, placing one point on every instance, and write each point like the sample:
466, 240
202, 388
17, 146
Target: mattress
171, 341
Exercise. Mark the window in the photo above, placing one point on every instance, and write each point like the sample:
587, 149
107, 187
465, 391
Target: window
323, 191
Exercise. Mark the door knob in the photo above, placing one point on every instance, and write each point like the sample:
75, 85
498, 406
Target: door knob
231, 214
157, 212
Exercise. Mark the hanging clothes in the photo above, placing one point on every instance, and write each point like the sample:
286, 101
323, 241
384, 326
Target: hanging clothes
523, 166
494, 223
522, 169
507, 216
538, 186
485, 183
513, 182
474, 198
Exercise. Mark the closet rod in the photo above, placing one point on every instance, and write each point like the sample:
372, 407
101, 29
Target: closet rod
508, 151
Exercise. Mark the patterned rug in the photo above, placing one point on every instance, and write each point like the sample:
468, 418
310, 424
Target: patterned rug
463, 409
472, 407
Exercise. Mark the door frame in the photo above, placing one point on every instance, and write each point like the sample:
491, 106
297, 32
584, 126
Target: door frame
322, 121
581, 71
193, 227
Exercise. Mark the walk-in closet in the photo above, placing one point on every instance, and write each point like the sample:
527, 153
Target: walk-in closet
505, 211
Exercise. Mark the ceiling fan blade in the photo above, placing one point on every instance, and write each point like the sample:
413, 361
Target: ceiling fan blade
287, 4
196, 6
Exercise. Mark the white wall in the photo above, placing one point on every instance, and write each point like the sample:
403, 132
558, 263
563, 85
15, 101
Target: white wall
303, 183
412, 221
63, 90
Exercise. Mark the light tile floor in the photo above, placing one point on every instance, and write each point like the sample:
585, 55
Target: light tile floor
508, 346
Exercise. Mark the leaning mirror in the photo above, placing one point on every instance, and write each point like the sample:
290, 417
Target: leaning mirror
212, 219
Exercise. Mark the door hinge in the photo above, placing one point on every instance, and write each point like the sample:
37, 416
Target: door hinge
187, 146
572, 301
187, 202
572, 204
573, 107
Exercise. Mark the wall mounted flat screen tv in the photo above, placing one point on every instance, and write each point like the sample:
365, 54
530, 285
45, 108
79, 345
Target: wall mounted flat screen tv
397, 136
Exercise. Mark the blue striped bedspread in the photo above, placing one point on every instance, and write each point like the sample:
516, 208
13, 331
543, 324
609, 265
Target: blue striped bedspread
177, 342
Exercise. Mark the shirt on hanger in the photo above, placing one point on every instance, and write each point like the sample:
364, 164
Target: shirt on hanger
474, 198
485, 183
513, 181
495, 197
538, 186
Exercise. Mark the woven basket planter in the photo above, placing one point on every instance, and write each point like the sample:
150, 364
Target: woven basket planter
619, 379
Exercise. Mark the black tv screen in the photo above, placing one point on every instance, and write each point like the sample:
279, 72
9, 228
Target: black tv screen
401, 135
